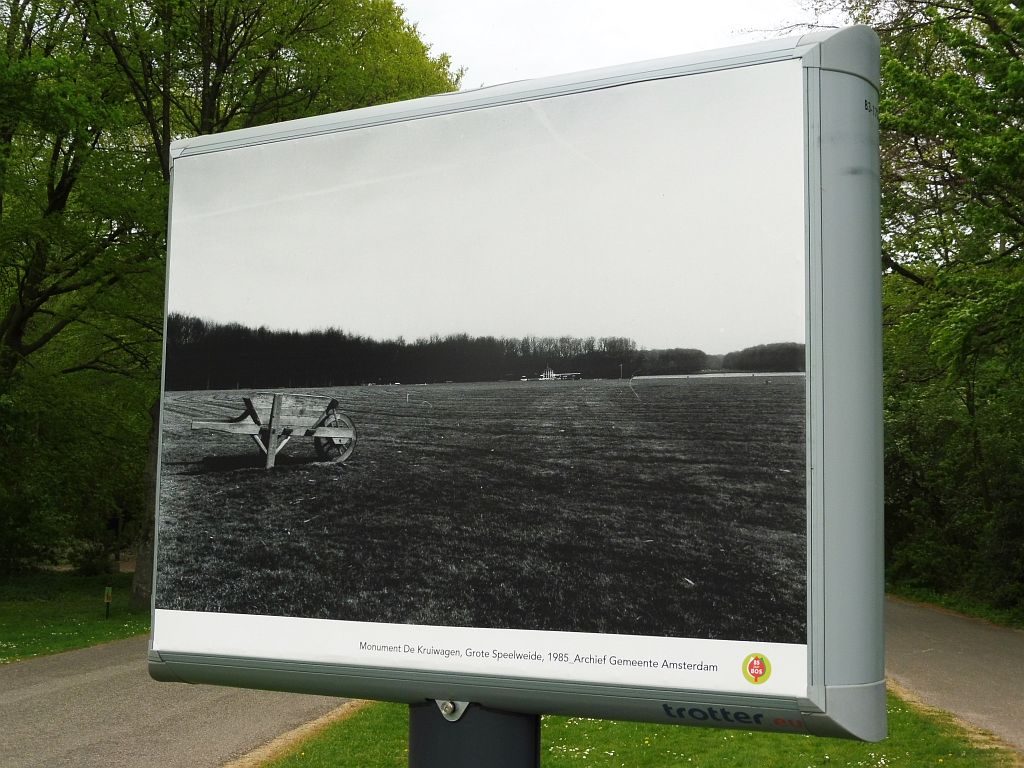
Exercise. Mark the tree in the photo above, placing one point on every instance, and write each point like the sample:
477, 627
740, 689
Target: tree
776, 357
92, 93
206, 67
952, 107
79, 285
75, 241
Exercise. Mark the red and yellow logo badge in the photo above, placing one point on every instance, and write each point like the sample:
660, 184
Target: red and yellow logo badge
756, 668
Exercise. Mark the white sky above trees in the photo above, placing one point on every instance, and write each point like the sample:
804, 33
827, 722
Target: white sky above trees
498, 41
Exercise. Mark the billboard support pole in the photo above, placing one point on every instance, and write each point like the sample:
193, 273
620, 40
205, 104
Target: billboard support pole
461, 735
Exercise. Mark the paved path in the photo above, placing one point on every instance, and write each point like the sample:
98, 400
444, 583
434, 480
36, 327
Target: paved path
965, 666
99, 707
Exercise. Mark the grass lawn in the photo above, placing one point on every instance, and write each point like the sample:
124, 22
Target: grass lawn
377, 736
48, 612
556, 506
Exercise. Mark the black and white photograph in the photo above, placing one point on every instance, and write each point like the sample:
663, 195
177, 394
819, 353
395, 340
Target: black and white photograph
537, 366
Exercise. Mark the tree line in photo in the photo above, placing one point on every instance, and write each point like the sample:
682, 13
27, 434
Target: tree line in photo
95, 90
207, 355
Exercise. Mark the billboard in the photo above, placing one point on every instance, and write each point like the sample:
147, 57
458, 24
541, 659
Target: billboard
558, 396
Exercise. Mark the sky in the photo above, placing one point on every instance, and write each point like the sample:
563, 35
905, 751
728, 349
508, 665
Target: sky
620, 212
498, 41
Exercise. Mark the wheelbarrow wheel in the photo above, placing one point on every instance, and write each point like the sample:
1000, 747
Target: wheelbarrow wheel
336, 448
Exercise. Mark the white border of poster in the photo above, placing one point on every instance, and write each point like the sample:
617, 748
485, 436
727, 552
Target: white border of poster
682, 663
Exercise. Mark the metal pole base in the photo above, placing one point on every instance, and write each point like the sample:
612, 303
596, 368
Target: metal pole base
479, 737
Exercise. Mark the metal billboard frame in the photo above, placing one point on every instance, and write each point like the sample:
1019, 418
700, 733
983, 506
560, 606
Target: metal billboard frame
846, 689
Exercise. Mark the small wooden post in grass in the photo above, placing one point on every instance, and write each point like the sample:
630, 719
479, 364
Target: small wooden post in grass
460, 735
108, 597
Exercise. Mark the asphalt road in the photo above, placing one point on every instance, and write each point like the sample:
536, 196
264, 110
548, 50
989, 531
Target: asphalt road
965, 666
98, 706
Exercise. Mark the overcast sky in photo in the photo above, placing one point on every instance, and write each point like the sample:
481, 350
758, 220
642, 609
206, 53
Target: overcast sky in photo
620, 212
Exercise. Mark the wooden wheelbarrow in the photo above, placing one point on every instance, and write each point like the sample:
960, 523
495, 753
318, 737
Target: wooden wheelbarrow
271, 419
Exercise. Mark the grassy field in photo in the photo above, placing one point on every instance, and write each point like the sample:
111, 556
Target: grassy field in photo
666, 507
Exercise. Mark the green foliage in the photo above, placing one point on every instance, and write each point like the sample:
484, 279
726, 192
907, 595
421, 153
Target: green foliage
34, 525
70, 475
92, 92
76, 242
952, 105
211, 66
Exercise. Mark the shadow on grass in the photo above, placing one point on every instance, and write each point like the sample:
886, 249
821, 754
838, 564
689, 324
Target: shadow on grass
219, 464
